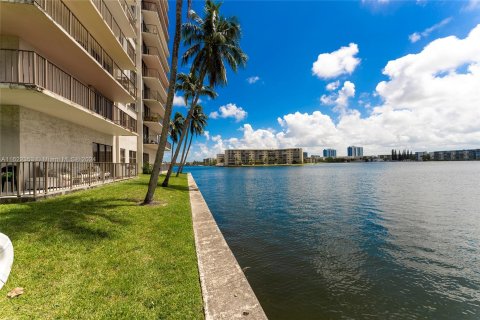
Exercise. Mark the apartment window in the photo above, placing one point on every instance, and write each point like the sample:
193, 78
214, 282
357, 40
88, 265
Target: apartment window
146, 158
132, 156
122, 155
102, 152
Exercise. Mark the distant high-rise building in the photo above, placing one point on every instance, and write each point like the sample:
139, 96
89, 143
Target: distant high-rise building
329, 153
353, 151
305, 155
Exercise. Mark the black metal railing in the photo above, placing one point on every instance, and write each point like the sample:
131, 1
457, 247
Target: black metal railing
154, 117
30, 68
60, 13
151, 95
153, 73
151, 50
130, 12
151, 139
115, 28
35, 178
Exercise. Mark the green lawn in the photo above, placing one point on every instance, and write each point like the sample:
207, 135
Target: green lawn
97, 254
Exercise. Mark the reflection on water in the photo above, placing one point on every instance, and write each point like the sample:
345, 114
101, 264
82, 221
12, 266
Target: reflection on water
359, 240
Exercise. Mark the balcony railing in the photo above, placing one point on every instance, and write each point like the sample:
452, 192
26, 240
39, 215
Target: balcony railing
150, 28
153, 118
60, 13
151, 139
151, 6
113, 25
28, 67
130, 12
151, 95
31, 179
155, 139
151, 50
152, 73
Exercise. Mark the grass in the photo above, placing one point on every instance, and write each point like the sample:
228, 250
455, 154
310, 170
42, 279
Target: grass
97, 254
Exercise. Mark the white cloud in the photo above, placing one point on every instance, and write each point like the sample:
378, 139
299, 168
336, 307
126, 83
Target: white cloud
414, 37
473, 4
340, 99
252, 80
332, 85
429, 102
229, 111
207, 135
336, 63
178, 101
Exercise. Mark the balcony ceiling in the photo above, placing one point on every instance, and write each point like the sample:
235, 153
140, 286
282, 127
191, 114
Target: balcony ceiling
56, 106
29, 23
154, 126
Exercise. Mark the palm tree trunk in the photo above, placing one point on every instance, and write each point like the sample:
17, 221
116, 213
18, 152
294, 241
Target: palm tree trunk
186, 156
183, 155
152, 184
173, 147
186, 125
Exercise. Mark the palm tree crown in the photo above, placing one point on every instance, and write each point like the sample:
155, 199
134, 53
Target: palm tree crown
188, 82
176, 126
199, 121
211, 41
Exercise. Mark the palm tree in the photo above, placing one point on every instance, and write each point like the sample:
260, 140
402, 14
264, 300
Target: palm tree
213, 41
175, 128
197, 128
187, 83
152, 184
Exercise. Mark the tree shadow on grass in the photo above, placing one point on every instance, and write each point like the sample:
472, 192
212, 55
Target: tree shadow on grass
81, 216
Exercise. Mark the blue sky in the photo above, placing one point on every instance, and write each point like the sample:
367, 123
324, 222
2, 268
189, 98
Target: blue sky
284, 106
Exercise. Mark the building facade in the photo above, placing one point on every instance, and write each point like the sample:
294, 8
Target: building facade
354, 151
83, 80
220, 159
239, 157
329, 153
456, 155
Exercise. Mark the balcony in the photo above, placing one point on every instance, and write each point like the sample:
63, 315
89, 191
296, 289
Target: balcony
50, 25
153, 79
28, 79
153, 38
152, 99
151, 57
152, 141
99, 20
154, 13
154, 122
125, 16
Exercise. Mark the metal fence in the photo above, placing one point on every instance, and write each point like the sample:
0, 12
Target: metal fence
36, 178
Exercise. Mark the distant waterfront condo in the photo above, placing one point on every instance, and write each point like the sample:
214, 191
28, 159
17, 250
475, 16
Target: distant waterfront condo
353, 151
329, 153
209, 161
456, 155
220, 159
82, 80
238, 157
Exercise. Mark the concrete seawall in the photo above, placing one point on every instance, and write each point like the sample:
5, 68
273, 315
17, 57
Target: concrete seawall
225, 289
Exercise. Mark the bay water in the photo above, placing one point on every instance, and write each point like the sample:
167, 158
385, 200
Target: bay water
354, 240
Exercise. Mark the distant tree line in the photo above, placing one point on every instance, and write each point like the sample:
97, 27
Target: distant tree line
402, 155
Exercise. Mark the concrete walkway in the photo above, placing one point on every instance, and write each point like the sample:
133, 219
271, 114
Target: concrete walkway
225, 289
